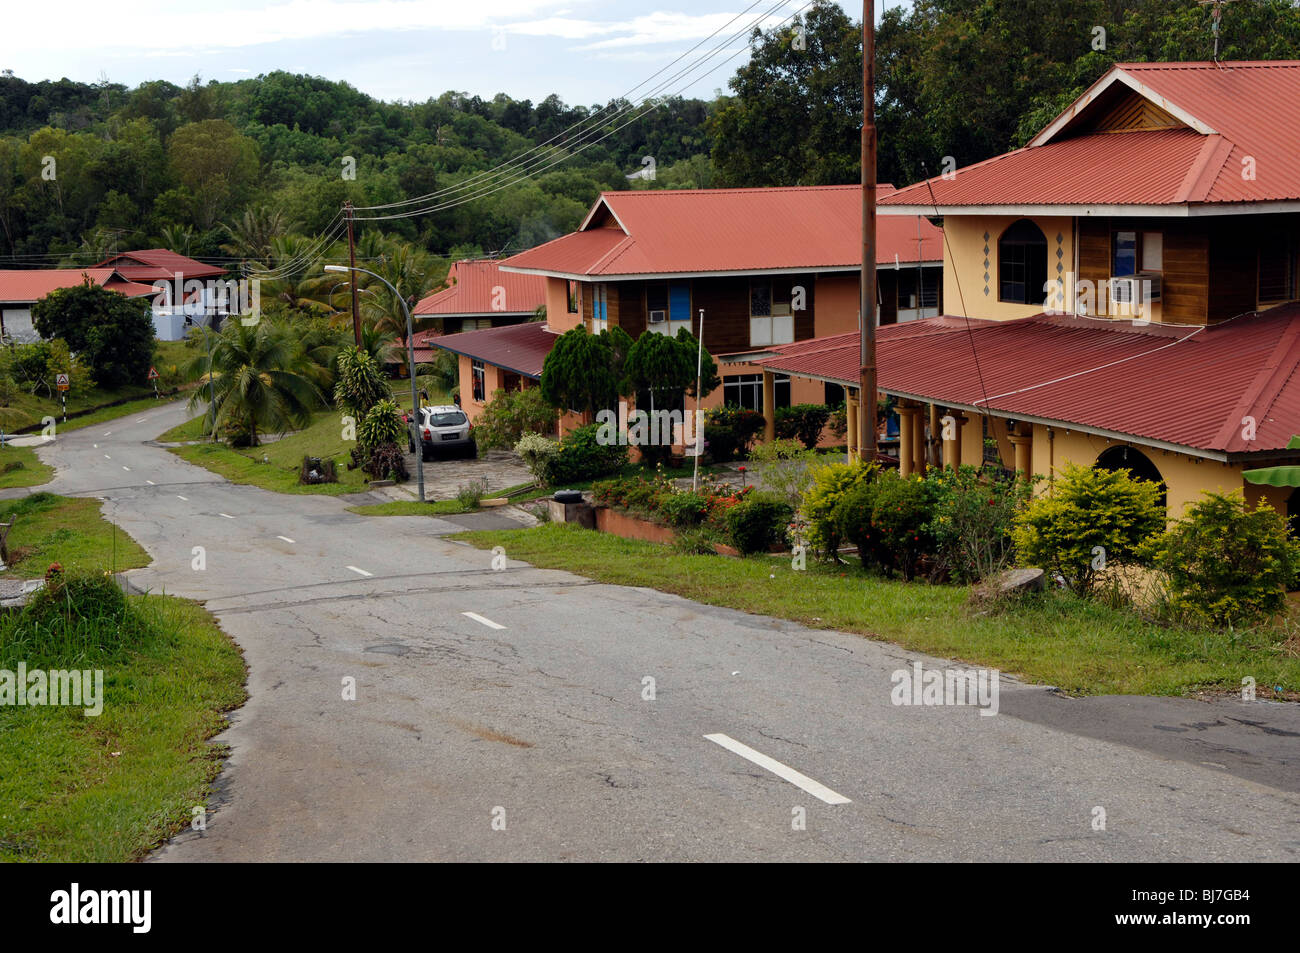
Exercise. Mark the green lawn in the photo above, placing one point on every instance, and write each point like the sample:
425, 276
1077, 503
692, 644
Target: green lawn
411, 508
196, 428
19, 466
72, 532
110, 788
1080, 647
322, 438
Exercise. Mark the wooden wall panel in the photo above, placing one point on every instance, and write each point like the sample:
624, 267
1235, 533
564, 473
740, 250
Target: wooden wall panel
631, 307
1186, 288
726, 313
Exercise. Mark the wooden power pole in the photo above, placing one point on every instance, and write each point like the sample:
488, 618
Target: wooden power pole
352, 283
867, 303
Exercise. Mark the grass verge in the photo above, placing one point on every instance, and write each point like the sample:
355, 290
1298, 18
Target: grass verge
1079, 646
323, 437
111, 787
70, 531
19, 466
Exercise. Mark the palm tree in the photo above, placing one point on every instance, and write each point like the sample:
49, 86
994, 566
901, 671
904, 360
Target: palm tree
259, 380
252, 233
294, 260
410, 269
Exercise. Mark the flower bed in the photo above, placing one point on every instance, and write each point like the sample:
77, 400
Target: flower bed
714, 516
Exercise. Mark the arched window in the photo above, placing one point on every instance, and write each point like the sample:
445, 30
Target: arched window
1022, 264
1137, 463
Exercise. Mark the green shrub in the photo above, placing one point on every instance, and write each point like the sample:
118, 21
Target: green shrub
684, 509
757, 522
786, 467
1091, 520
1226, 564
538, 453
79, 616
852, 522
728, 432
901, 512
470, 495
359, 384
803, 422
583, 457
974, 516
382, 424
508, 416
829, 484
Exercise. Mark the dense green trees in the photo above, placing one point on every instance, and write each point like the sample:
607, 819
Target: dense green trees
227, 167
113, 334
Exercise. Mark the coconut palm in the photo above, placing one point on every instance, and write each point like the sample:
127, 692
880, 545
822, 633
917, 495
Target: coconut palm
259, 380
252, 233
294, 262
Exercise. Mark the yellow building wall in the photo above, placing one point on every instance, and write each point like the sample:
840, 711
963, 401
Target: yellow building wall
964, 256
1186, 477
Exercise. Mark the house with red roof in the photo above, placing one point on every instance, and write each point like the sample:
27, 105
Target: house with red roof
186, 291
20, 289
1124, 291
746, 270
478, 296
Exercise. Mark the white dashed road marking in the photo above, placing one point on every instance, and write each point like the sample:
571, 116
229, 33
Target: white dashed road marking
107, 457
785, 772
360, 571
226, 515
126, 468
150, 482
185, 498
487, 622
285, 538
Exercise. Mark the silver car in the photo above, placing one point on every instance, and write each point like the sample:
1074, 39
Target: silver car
443, 428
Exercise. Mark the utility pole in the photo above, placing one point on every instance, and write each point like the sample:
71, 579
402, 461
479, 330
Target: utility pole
867, 301
352, 275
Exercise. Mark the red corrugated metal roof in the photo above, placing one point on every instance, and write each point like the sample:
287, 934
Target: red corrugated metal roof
700, 231
1180, 385
473, 292
1246, 110
151, 263
1133, 168
521, 348
31, 285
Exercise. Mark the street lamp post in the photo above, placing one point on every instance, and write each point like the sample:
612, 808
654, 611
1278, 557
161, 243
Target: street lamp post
410, 357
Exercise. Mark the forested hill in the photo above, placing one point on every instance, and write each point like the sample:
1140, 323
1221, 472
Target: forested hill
166, 165
221, 169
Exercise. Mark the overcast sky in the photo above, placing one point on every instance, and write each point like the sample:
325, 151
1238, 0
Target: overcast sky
587, 51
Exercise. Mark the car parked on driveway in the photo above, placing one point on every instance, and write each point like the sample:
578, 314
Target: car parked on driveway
442, 429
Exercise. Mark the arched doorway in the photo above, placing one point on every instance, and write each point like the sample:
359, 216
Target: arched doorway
1137, 463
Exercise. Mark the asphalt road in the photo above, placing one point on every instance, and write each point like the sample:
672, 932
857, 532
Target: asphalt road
524, 732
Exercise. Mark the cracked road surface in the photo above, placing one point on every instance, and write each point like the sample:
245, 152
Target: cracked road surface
530, 711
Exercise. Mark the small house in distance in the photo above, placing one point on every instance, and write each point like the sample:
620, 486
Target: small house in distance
20, 289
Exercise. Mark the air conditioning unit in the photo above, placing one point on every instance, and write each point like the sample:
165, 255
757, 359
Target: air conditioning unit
1133, 294
658, 317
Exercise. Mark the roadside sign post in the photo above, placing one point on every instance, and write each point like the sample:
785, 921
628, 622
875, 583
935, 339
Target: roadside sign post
63, 382
153, 379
